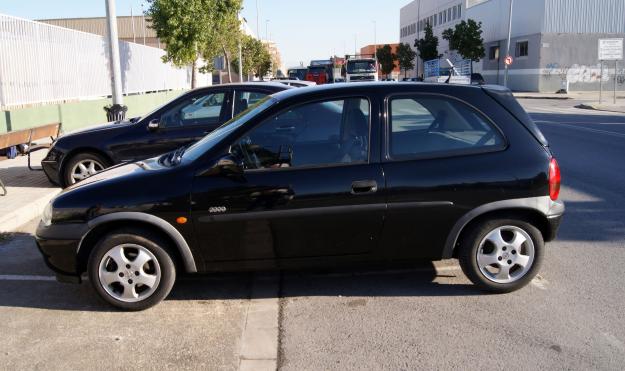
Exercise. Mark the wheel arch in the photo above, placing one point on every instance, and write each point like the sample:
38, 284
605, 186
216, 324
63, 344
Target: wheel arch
534, 210
102, 225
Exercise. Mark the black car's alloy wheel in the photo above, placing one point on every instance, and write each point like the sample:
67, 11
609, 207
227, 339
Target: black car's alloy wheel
501, 255
131, 269
82, 166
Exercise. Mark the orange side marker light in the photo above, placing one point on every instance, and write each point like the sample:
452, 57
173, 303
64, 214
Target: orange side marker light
181, 220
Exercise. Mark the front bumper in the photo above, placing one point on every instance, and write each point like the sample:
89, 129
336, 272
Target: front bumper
59, 246
51, 169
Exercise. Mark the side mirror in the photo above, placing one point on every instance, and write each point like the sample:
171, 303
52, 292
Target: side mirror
154, 125
227, 165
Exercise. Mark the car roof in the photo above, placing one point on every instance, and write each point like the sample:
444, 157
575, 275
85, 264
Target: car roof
375, 87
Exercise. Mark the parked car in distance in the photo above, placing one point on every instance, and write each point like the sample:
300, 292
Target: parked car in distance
477, 79
295, 83
186, 119
336, 175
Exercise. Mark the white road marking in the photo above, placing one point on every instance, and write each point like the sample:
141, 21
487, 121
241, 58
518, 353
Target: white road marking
583, 128
16, 277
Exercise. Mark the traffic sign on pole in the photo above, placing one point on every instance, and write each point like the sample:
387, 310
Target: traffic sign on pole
508, 61
610, 49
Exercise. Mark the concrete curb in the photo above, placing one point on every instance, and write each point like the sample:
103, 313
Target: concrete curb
596, 107
12, 221
259, 343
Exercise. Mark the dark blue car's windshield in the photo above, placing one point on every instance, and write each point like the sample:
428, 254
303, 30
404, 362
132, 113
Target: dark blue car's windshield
206, 143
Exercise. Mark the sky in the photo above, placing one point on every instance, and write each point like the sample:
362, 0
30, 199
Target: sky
303, 30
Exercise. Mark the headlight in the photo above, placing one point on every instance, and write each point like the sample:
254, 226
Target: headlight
46, 218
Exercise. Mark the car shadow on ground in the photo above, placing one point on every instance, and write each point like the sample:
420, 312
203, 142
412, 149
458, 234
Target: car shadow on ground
413, 281
22, 177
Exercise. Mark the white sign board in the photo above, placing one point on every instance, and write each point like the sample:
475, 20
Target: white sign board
610, 49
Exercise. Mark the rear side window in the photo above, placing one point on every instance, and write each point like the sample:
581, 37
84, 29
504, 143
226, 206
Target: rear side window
431, 126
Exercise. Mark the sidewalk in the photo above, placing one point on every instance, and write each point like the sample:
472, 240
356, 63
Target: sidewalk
28, 191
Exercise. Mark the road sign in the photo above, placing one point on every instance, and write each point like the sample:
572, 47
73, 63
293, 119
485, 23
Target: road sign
610, 49
508, 61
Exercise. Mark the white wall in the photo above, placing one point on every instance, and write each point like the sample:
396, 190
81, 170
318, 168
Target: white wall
40, 63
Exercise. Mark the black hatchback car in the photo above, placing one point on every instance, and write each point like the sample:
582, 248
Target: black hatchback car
184, 120
317, 177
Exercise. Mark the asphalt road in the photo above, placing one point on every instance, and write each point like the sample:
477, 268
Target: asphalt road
570, 317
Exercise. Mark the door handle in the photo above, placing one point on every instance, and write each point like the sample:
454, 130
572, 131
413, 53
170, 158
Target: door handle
362, 187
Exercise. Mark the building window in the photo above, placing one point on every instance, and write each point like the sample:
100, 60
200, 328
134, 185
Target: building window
455, 11
459, 11
449, 14
445, 16
440, 18
522, 49
493, 53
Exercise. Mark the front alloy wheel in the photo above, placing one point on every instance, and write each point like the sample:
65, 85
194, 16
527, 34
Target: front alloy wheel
129, 273
131, 268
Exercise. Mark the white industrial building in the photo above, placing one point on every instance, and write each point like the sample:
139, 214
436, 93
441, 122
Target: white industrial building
553, 41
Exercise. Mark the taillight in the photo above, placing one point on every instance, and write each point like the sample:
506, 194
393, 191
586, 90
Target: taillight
554, 179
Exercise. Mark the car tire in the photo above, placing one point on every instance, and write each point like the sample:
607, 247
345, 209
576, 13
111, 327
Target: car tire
131, 269
88, 159
514, 259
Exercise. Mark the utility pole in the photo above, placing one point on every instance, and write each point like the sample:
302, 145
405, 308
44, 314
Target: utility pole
240, 62
267, 29
505, 76
355, 43
132, 20
257, 21
418, 33
375, 34
116, 81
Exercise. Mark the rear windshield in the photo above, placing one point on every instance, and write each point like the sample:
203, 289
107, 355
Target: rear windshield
360, 66
509, 102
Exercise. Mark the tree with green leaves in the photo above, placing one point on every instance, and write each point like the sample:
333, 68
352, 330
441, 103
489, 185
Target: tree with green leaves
193, 29
386, 59
466, 39
256, 58
405, 57
428, 45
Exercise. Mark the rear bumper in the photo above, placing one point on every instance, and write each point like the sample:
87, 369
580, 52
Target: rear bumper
554, 219
59, 245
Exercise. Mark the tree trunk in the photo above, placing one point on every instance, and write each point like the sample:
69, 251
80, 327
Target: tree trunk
194, 74
227, 60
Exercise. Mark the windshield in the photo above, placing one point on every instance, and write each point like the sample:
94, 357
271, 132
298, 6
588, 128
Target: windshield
361, 66
206, 143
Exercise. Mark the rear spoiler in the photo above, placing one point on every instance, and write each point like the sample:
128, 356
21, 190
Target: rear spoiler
504, 97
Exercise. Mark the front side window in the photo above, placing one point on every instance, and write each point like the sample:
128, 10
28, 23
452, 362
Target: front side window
424, 126
197, 110
322, 133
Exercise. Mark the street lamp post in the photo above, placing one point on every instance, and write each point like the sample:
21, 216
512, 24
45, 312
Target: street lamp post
505, 76
116, 81
267, 29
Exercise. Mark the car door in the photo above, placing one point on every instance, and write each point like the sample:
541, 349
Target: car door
440, 155
185, 121
310, 188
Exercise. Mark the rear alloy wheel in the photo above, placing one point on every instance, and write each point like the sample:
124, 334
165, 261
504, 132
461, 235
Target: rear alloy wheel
501, 255
131, 270
82, 166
